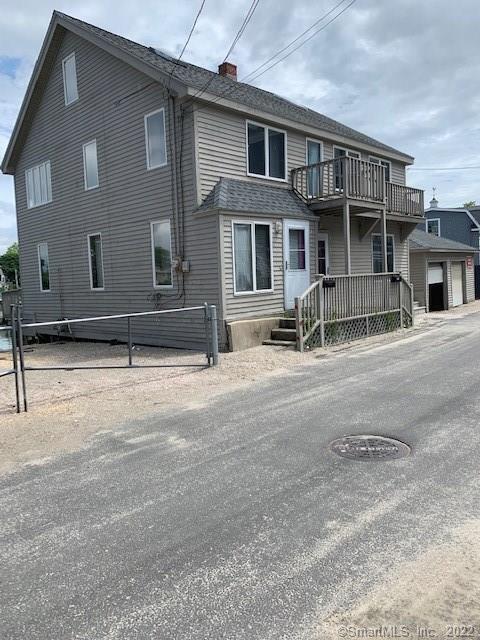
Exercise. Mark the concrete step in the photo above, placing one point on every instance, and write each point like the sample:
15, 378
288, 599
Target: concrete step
416, 304
287, 323
418, 311
280, 343
284, 334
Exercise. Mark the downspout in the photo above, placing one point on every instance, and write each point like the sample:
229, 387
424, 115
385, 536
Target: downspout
174, 174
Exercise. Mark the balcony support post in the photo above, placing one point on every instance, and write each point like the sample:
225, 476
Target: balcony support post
384, 240
346, 236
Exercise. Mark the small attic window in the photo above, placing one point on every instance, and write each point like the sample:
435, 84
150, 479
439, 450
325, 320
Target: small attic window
70, 79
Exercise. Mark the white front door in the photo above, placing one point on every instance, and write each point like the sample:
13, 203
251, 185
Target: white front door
296, 259
457, 283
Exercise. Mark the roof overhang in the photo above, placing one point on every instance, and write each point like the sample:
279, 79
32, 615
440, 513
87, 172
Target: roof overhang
459, 210
59, 22
430, 250
223, 102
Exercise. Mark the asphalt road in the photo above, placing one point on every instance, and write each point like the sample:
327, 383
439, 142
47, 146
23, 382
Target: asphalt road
237, 521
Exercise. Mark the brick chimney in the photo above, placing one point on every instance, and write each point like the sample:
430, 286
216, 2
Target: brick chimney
228, 70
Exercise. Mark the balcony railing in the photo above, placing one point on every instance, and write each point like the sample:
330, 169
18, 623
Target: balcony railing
357, 180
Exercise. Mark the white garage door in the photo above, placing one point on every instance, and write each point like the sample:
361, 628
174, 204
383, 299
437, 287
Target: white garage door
435, 272
457, 283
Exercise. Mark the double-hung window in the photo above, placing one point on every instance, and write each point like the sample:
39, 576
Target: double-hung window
161, 237
39, 185
252, 257
377, 253
433, 226
70, 88
90, 165
95, 257
338, 153
43, 266
384, 163
266, 151
155, 140
314, 156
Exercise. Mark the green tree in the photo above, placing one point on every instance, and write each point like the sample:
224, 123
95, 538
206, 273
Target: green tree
9, 262
470, 204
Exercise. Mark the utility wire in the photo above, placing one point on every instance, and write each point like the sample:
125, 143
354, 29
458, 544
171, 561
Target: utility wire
239, 34
231, 89
177, 60
443, 168
287, 46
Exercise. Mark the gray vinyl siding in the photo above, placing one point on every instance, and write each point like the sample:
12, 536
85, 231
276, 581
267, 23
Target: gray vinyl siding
455, 225
418, 277
221, 149
419, 262
361, 249
113, 99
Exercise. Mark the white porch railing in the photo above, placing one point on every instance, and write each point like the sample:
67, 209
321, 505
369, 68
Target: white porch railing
337, 309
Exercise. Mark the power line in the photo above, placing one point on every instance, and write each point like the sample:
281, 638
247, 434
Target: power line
443, 168
191, 30
231, 89
239, 34
287, 46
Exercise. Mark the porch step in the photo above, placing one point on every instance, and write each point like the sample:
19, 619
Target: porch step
286, 335
279, 343
287, 323
418, 310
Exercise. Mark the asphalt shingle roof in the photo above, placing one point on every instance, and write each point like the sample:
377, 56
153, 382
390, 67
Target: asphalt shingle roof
246, 94
249, 197
421, 241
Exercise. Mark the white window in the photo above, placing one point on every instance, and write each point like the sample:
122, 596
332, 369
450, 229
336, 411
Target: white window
341, 152
155, 143
266, 151
252, 257
433, 226
70, 89
90, 165
95, 261
385, 163
43, 266
377, 253
39, 185
162, 254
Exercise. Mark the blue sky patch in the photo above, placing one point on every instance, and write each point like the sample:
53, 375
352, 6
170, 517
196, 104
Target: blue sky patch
9, 66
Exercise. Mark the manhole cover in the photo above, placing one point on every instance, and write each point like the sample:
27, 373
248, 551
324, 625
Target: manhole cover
369, 448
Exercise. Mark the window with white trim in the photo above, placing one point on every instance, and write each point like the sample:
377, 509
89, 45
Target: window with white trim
384, 163
377, 253
95, 257
266, 151
43, 266
252, 257
433, 226
90, 165
38, 182
70, 88
162, 254
341, 152
155, 141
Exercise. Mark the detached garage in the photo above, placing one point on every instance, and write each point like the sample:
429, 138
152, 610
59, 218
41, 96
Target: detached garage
441, 271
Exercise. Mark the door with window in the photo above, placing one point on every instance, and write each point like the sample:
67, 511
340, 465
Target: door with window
314, 156
296, 257
338, 170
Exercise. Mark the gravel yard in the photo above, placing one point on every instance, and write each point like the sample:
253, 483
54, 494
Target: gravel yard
67, 407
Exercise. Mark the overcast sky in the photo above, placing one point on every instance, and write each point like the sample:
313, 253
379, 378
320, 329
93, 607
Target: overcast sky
403, 71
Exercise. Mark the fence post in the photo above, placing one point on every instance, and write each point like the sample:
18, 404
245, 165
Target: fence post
298, 325
412, 310
400, 298
206, 318
214, 333
321, 311
22, 359
13, 321
129, 338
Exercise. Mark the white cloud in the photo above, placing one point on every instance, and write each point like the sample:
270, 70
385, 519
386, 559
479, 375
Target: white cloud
404, 72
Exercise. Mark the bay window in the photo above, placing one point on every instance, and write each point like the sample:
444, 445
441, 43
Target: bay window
252, 257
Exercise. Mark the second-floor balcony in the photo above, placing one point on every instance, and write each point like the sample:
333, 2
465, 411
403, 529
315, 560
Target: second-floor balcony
325, 185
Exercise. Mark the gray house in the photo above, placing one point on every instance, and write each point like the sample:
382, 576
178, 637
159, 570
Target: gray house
458, 224
144, 182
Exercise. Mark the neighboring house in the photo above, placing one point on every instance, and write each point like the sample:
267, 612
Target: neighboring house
459, 224
441, 271
145, 182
